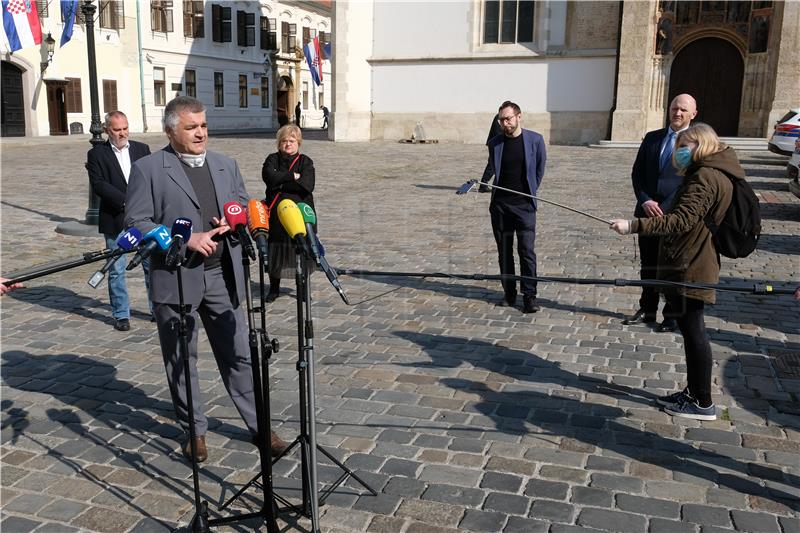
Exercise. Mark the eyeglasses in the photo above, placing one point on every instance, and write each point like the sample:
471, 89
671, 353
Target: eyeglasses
501, 120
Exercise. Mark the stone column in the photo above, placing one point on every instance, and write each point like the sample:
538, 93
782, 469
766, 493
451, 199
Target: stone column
636, 71
787, 78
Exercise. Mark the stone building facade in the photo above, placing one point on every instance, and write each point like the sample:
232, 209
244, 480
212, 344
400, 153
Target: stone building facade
581, 71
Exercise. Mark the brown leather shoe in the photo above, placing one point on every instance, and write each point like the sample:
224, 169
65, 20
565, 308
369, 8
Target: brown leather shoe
278, 444
199, 446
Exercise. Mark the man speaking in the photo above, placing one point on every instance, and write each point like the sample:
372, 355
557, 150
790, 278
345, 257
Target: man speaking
185, 181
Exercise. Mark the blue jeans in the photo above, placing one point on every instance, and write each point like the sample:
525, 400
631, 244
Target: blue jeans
117, 289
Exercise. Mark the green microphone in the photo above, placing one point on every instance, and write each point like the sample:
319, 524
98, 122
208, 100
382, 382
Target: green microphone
310, 218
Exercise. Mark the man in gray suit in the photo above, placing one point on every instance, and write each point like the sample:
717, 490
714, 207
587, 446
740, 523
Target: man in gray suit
185, 180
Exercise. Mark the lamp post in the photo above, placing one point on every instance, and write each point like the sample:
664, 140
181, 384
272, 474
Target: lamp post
89, 226
50, 44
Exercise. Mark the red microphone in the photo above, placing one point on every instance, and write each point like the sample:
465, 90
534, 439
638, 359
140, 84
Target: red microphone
237, 220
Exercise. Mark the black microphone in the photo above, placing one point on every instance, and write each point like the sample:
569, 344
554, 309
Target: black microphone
181, 231
125, 243
157, 237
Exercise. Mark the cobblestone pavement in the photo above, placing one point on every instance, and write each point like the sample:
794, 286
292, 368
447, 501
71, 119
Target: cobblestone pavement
462, 415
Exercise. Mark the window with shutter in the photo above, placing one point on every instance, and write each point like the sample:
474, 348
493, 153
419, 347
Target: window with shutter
74, 101
190, 78
219, 90
161, 16
109, 96
41, 8
159, 86
269, 34
193, 19
112, 14
220, 23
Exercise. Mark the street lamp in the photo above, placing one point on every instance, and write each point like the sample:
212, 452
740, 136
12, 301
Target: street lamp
50, 43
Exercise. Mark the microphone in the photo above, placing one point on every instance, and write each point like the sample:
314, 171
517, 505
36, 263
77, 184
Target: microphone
125, 243
291, 219
157, 237
309, 217
181, 231
258, 224
237, 220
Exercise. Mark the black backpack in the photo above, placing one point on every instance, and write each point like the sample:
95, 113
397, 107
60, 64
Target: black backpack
738, 233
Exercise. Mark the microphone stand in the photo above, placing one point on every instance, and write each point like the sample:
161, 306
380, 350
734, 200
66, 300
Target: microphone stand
199, 521
307, 439
260, 343
46, 269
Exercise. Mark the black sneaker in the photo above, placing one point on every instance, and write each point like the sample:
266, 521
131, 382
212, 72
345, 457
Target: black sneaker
122, 324
691, 409
675, 398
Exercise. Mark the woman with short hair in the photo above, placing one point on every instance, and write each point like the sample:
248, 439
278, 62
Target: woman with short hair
288, 174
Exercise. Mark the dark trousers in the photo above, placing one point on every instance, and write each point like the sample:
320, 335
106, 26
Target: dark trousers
689, 314
648, 251
508, 220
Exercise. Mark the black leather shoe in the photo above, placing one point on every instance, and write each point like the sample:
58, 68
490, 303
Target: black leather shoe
639, 317
201, 452
668, 325
122, 324
529, 304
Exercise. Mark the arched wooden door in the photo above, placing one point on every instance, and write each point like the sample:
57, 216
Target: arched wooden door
13, 106
711, 70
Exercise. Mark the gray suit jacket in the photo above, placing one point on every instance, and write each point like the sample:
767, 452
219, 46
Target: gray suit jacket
158, 193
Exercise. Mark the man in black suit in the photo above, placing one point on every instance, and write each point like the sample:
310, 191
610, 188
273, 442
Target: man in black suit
655, 181
109, 166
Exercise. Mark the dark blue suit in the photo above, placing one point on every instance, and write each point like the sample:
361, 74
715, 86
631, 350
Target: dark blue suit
652, 183
518, 217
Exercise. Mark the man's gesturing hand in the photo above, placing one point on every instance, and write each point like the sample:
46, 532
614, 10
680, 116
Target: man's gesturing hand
203, 242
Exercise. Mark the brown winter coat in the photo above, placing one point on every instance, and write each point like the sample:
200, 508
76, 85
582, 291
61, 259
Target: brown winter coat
686, 253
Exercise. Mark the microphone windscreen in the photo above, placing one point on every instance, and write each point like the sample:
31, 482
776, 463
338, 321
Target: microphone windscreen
234, 214
129, 239
291, 218
257, 216
182, 227
159, 234
308, 213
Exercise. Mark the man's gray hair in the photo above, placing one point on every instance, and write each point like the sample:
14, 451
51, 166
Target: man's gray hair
110, 115
178, 105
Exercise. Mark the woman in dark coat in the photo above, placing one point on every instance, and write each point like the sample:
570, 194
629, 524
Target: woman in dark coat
687, 255
288, 174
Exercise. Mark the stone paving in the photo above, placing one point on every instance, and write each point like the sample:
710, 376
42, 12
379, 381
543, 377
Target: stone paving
463, 416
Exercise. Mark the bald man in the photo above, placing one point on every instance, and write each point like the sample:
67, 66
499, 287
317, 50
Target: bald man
655, 181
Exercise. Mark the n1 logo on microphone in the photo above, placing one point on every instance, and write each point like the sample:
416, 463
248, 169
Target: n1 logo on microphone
129, 239
163, 235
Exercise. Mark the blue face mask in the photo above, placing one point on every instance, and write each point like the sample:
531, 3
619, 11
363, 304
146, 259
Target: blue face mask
683, 157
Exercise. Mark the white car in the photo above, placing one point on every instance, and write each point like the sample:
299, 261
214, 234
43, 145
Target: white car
793, 170
787, 131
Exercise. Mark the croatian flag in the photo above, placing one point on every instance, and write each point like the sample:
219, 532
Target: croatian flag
21, 24
314, 61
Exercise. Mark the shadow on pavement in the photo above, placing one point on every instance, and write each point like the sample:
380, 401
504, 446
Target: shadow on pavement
517, 407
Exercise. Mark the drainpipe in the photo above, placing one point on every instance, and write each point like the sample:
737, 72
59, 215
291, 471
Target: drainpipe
141, 65
616, 72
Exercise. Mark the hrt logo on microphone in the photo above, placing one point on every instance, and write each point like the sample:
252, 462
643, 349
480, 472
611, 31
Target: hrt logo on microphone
183, 222
233, 209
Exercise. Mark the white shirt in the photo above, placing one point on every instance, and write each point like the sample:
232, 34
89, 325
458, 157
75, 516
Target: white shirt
123, 156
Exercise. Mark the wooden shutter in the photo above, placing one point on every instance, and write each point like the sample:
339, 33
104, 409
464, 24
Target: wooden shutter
74, 103
109, 96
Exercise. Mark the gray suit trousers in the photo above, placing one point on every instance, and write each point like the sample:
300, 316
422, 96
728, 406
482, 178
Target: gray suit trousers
227, 331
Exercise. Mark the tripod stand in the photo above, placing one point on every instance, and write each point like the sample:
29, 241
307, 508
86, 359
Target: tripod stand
307, 439
261, 349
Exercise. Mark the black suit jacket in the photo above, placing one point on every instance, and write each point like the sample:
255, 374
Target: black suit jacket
108, 182
645, 173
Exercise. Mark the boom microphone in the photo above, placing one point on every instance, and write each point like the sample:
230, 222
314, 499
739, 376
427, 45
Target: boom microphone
258, 224
125, 243
157, 237
181, 231
310, 218
237, 220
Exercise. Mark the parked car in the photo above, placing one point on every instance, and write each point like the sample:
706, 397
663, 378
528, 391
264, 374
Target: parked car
787, 131
793, 170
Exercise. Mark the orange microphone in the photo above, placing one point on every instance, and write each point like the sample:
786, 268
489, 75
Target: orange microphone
258, 224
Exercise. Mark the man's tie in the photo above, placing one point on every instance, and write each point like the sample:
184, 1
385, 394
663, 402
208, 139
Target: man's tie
666, 153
